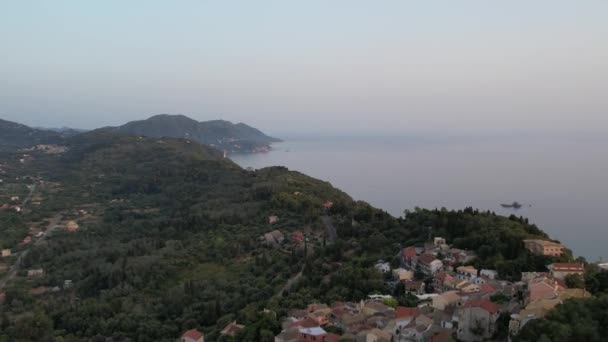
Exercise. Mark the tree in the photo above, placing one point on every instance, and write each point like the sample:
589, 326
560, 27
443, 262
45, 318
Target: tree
575, 281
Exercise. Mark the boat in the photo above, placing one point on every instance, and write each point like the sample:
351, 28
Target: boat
514, 205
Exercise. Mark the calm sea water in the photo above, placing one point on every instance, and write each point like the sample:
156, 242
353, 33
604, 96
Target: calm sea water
561, 181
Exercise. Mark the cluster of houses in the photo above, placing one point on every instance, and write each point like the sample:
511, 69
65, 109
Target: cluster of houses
14, 203
456, 300
194, 335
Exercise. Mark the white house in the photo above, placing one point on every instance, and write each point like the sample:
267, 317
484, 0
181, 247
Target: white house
492, 274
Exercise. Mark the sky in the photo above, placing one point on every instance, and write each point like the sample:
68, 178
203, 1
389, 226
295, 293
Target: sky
387, 67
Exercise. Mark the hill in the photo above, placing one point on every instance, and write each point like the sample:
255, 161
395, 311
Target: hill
15, 135
220, 134
172, 236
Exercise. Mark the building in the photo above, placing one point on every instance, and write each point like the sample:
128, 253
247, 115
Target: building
232, 329
466, 272
562, 269
315, 334
544, 247
273, 219
402, 274
35, 273
490, 274
429, 264
414, 287
407, 257
6, 253
72, 226
446, 300
192, 335
477, 320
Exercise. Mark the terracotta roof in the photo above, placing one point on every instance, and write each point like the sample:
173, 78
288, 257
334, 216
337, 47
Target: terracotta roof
403, 311
409, 252
413, 285
426, 258
486, 288
232, 328
193, 334
484, 304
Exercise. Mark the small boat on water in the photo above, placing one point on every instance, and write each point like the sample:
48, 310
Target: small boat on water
514, 205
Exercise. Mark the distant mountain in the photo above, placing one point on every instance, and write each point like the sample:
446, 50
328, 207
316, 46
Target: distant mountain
220, 134
15, 135
65, 131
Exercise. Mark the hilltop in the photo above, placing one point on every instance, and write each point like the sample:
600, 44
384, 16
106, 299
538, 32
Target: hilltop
220, 134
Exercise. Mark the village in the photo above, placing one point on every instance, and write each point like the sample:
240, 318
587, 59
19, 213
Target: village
455, 301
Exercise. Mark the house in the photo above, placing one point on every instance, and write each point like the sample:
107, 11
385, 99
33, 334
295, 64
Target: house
273, 219
6, 253
407, 257
414, 287
562, 269
429, 264
490, 274
467, 287
442, 281
327, 205
405, 315
543, 288
477, 320
273, 238
382, 266
544, 247
539, 308
402, 274
72, 226
466, 272
27, 240
446, 299
439, 241
192, 335
316, 334
298, 237
372, 308
373, 335
35, 273
231, 329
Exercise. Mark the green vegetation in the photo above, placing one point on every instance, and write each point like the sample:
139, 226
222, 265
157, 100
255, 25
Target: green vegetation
575, 320
221, 134
174, 244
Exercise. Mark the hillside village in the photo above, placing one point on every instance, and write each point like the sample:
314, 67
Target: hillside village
455, 301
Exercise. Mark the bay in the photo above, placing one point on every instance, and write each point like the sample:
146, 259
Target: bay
561, 181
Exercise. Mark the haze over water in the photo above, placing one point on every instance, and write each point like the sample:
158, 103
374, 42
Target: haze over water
560, 180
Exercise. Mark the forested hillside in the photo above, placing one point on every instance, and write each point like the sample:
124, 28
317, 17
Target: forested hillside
171, 237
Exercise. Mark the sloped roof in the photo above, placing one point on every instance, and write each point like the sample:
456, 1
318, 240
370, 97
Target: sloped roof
483, 304
193, 334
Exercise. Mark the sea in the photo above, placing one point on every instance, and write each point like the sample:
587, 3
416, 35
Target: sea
561, 181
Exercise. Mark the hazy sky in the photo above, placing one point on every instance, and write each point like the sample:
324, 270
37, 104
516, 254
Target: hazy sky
295, 66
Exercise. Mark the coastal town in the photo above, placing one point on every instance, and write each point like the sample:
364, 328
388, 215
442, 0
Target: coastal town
455, 301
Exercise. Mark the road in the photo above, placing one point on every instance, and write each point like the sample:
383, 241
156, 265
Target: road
12, 273
29, 196
290, 282
331, 230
